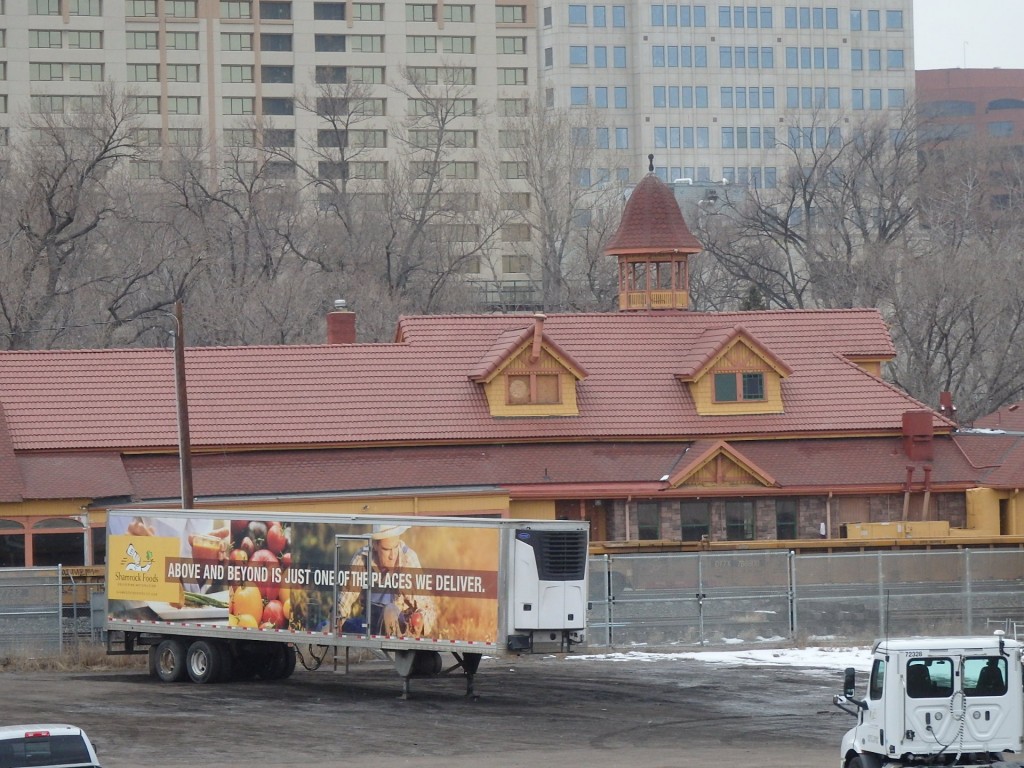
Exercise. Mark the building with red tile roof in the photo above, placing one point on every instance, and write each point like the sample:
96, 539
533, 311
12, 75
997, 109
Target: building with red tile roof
668, 427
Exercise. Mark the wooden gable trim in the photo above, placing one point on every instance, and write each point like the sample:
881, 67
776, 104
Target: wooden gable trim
739, 336
720, 465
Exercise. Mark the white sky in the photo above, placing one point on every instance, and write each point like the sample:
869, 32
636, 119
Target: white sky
836, 659
976, 34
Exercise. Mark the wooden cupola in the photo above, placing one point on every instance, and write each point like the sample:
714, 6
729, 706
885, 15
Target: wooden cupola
652, 246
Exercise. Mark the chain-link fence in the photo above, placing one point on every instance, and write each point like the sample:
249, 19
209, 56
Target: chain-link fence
724, 598
31, 610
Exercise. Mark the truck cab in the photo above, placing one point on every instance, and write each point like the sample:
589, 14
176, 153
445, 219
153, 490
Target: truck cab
937, 701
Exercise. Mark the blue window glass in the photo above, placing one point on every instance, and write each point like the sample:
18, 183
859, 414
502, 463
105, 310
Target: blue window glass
894, 19
819, 58
578, 14
832, 58
768, 98
725, 57
795, 137
754, 97
833, 98
728, 138
835, 137
874, 59
701, 96
700, 16
766, 18
619, 54
897, 98
602, 138
805, 58
741, 98
703, 140
658, 15
737, 17
658, 56
685, 56
752, 58
792, 98
858, 98
856, 59
740, 58
876, 98
601, 56
874, 21
700, 56
856, 21
727, 97
601, 97
600, 16
579, 96
659, 96
831, 18
767, 58
755, 138
583, 177
622, 138
724, 16
618, 15
673, 141
752, 16
688, 139
805, 17
1001, 129
792, 58
687, 96
684, 16
621, 100
818, 18
660, 138
578, 55
769, 138
894, 59
673, 56
672, 16
790, 17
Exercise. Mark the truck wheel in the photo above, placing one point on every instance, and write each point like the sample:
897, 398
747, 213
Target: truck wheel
170, 660
227, 662
864, 760
204, 662
290, 658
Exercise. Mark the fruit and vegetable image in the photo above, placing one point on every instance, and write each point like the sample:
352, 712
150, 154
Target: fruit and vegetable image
258, 566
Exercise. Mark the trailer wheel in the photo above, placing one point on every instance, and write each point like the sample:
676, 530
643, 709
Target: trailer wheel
204, 662
154, 660
227, 662
170, 660
278, 663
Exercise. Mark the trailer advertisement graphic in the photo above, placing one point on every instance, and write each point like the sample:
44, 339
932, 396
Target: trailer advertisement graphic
391, 580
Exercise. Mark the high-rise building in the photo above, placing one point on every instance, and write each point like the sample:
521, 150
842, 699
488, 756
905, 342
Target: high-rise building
714, 92
718, 91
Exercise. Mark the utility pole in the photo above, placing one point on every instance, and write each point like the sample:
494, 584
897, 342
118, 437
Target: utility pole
184, 445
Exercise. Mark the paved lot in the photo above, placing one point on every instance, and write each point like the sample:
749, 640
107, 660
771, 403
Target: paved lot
532, 711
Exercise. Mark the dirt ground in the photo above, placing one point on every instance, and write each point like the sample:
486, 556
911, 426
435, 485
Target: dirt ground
530, 711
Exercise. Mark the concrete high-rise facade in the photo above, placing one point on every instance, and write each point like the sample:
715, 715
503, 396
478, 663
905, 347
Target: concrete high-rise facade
713, 91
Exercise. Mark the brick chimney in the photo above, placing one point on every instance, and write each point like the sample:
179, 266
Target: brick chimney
946, 406
917, 435
341, 324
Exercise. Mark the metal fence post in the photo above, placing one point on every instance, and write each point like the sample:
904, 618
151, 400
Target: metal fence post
883, 609
60, 608
793, 619
968, 607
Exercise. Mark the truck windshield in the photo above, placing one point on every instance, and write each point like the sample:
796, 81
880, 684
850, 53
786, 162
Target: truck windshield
44, 751
877, 679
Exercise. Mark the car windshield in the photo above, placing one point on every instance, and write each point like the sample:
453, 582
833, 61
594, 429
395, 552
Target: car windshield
55, 750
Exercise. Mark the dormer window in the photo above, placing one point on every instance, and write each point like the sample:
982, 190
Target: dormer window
533, 389
735, 387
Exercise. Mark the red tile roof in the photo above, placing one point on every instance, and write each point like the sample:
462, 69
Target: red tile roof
419, 390
652, 222
74, 475
10, 476
532, 470
1009, 417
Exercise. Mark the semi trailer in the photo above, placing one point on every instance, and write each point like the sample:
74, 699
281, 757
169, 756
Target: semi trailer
215, 595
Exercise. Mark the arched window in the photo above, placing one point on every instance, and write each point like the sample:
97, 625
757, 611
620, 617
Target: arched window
12, 544
58, 541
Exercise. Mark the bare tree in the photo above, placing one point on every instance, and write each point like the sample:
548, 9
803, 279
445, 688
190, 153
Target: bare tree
59, 192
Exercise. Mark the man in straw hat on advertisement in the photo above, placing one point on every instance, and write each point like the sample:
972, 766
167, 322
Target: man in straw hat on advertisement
394, 609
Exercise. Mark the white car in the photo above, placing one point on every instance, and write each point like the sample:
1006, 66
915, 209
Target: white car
49, 745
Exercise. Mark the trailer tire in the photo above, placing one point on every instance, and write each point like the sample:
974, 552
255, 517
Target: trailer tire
864, 760
170, 662
278, 663
154, 657
227, 662
204, 662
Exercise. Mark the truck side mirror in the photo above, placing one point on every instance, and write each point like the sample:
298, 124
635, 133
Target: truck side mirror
850, 682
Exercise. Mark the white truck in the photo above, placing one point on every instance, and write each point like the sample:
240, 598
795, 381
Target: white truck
943, 701
215, 595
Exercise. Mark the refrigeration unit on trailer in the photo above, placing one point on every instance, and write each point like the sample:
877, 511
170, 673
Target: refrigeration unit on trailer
215, 595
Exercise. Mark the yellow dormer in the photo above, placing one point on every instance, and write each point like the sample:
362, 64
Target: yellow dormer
526, 374
732, 373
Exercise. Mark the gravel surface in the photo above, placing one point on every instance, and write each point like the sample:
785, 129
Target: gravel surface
530, 711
